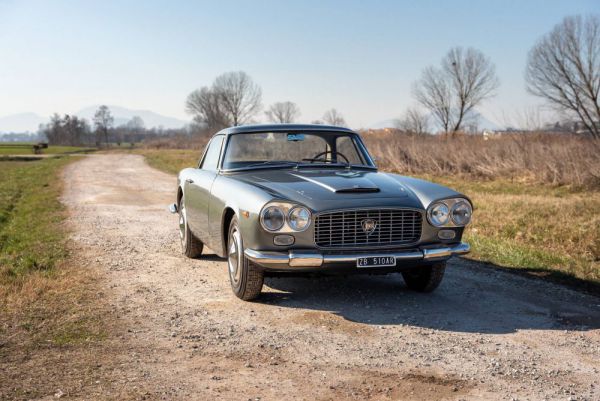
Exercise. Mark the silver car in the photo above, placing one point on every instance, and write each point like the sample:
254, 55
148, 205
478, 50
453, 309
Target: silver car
286, 198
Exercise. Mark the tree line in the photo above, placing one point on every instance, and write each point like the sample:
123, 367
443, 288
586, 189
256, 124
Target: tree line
71, 130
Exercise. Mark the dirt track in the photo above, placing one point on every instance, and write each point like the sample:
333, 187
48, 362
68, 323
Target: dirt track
181, 333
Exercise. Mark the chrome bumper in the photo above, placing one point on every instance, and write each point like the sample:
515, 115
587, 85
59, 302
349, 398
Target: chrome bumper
299, 260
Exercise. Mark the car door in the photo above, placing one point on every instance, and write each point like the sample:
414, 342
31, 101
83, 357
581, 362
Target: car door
198, 187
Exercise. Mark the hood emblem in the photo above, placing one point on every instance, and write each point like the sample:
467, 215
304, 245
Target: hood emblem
368, 226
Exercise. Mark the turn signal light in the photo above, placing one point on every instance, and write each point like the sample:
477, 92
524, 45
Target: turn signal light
283, 240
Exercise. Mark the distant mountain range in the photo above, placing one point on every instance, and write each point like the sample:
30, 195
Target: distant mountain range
122, 115
22, 122
29, 122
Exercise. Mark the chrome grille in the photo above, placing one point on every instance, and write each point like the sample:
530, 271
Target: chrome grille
341, 229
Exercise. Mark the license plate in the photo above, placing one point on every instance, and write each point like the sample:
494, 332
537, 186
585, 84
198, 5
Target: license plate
376, 261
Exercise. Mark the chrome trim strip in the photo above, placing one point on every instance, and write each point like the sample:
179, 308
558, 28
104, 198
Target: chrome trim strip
437, 253
267, 258
305, 259
314, 182
296, 260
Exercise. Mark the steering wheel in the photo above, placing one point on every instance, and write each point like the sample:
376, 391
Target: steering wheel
318, 158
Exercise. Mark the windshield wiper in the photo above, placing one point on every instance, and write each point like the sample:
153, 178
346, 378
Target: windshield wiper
272, 163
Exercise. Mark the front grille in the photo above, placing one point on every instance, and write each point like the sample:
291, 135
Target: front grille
344, 228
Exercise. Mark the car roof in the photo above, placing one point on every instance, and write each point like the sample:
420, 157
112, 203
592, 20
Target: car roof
243, 129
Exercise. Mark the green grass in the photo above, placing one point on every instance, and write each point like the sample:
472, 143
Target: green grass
43, 298
551, 231
31, 237
7, 149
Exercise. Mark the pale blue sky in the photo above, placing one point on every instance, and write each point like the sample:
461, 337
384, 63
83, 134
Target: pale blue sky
359, 57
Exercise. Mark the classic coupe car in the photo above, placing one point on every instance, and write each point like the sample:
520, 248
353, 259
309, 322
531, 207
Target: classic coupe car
286, 198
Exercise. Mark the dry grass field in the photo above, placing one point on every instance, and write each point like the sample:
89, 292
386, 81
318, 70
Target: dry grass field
553, 159
537, 197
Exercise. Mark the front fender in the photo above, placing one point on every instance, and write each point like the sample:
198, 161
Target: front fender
245, 201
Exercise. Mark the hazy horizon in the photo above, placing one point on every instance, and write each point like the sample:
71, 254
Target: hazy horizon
358, 58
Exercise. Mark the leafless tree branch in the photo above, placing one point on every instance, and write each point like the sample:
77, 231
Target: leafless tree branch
564, 68
334, 117
465, 79
283, 112
233, 99
414, 122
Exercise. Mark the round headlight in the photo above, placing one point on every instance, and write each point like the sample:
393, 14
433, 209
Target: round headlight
272, 218
461, 213
299, 218
439, 214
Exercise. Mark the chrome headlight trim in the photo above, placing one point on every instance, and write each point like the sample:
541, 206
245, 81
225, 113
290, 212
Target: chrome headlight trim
458, 204
451, 204
298, 208
262, 217
431, 209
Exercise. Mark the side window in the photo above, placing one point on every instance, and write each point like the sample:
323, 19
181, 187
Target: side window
346, 146
211, 157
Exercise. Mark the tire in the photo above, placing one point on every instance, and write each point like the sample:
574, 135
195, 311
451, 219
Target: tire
245, 277
190, 245
425, 278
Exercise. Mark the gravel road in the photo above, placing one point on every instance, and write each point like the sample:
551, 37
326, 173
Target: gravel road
181, 334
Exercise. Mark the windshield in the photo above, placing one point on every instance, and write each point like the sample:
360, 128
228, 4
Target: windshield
297, 148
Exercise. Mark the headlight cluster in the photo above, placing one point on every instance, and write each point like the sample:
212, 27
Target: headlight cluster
450, 212
275, 216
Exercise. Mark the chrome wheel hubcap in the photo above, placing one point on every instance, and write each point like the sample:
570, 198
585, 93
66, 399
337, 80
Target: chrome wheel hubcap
234, 256
182, 230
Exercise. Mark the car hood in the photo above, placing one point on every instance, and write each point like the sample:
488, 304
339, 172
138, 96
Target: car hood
324, 189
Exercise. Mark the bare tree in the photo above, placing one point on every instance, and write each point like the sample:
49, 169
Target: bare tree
233, 99
433, 92
240, 97
283, 112
414, 122
564, 68
464, 79
206, 107
103, 121
334, 117
68, 130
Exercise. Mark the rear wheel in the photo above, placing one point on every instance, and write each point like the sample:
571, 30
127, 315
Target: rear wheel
425, 278
245, 277
190, 245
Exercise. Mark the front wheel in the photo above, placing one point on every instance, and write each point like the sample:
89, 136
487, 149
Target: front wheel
190, 245
245, 277
425, 278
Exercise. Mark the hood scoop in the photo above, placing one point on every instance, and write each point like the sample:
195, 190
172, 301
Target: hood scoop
356, 189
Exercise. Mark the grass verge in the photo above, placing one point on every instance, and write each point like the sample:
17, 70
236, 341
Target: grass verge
172, 160
7, 149
43, 300
550, 231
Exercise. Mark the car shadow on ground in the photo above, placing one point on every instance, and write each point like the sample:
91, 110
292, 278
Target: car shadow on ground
472, 298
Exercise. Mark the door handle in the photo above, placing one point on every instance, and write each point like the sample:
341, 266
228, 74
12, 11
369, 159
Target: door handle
189, 181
